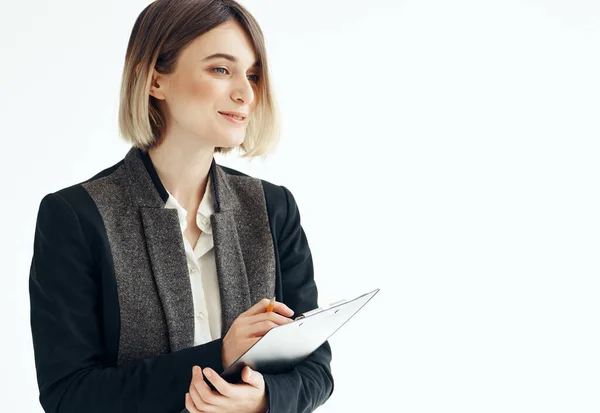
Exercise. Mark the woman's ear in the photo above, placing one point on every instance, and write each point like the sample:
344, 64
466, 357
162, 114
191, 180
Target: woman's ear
157, 89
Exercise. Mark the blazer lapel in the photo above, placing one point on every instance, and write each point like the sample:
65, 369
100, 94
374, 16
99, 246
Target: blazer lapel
166, 253
231, 269
167, 258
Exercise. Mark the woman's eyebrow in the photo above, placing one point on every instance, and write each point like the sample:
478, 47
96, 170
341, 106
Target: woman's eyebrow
229, 57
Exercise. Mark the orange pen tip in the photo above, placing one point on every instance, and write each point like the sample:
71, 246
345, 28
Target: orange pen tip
271, 305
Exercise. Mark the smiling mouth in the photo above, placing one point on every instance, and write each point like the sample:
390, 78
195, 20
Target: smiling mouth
233, 119
236, 117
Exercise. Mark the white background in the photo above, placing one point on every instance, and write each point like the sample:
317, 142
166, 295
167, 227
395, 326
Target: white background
446, 152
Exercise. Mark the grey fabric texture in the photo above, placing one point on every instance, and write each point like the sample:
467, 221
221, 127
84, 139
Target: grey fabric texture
153, 285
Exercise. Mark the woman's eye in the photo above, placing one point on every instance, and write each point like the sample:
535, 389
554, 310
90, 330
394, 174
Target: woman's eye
219, 68
253, 78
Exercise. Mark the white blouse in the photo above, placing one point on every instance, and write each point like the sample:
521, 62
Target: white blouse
202, 269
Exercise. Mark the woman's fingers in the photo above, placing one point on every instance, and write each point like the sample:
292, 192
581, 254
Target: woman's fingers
190, 405
259, 329
282, 309
273, 317
258, 325
201, 394
222, 386
196, 399
261, 307
241, 336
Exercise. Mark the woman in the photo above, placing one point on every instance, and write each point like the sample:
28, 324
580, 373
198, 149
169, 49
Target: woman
128, 290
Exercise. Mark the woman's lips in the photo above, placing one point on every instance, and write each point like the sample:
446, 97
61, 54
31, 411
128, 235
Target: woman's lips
233, 120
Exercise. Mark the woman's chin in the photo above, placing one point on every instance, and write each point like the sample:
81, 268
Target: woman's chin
232, 142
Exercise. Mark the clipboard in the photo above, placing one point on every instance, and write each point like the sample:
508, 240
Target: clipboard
287, 345
282, 347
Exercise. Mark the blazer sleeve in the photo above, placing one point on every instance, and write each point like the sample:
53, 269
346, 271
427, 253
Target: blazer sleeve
65, 306
310, 383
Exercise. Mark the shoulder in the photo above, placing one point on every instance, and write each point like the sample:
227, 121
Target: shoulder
75, 201
276, 196
74, 193
280, 202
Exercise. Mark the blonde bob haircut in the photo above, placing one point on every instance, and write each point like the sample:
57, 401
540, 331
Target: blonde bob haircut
162, 30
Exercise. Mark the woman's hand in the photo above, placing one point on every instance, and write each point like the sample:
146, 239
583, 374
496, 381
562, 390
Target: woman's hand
246, 397
250, 326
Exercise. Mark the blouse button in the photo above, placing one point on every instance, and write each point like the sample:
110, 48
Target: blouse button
200, 315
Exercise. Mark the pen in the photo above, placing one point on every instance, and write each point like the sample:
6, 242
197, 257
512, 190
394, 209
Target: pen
271, 305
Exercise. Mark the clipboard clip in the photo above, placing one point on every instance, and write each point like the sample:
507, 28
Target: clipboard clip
319, 309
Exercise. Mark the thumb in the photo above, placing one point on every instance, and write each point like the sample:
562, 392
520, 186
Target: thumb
253, 378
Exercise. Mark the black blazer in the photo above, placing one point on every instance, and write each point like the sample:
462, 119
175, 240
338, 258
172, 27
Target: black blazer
111, 302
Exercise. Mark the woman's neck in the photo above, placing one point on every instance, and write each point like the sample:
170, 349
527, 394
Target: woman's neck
183, 171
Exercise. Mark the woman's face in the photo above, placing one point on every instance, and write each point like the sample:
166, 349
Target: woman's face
193, 96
